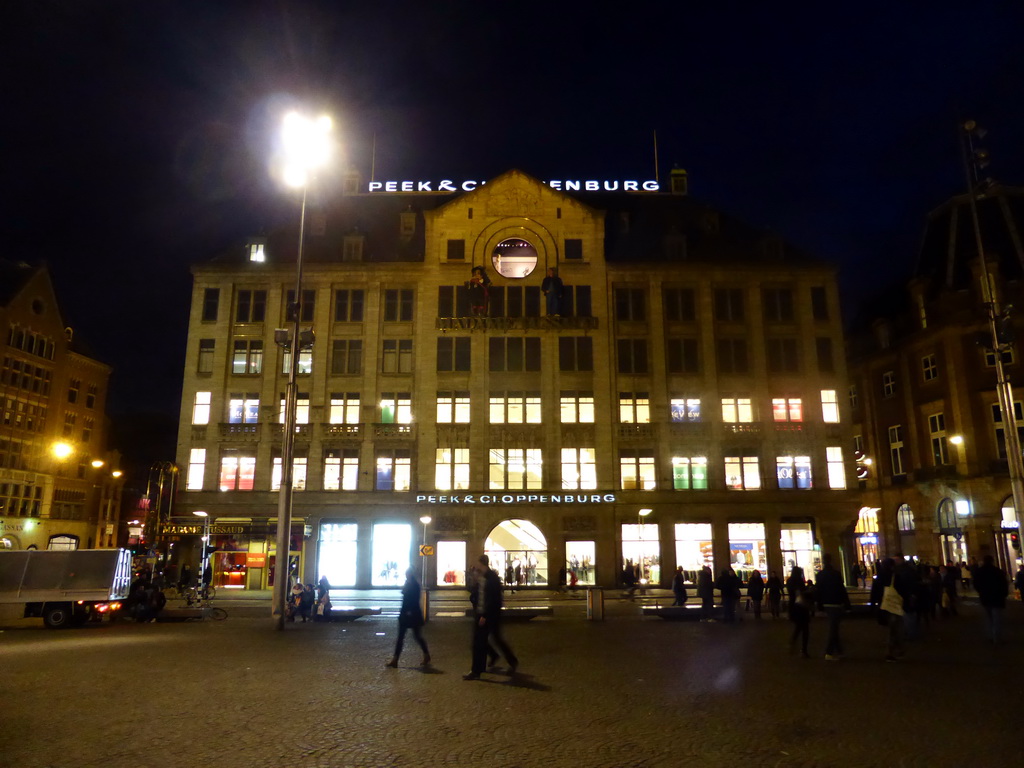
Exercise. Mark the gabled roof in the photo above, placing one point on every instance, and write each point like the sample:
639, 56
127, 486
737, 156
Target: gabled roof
14, 276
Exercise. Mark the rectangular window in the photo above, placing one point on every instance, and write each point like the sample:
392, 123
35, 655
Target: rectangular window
514, 353
990, 357
629, 304
243, 409
515, 408
248, 357
579, 469
681, 355
576, 301
301, 409
456, 250
737, 410
395, 408
575, 353
453, 407
896, 449
90, 395
829, 406
729, 305
997, 421
196, 469
74, 387
787, 409
250, 306
453, 353
394, 470
397, 356
632, 355
637, 470
398, 305
451, 469
685, 409
836, 468
819, 303
940, 446
929, 368
211, 303
298, 474
257, 252
732, 355
778, 305
237, 472
341, 470
201, 408
305, 365
680, 305
515, 469
307, 312
823, 350
344, 408
782, 355
206, 349
793, 472
346, 357
852, 394
573, 249
888, 384
634, 408
348, 306
690, 473
577, 407
742, 473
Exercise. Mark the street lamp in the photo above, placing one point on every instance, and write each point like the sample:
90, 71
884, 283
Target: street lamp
640, 529
305, 147
206, 541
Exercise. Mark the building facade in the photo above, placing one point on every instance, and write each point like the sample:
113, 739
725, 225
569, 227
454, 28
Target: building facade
58, 489
571, 381
923, 394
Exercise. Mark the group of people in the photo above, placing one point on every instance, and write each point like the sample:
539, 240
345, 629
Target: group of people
309, 604
145, 597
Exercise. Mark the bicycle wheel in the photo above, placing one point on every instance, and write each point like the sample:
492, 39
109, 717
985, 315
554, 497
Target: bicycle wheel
218, 614
210, 592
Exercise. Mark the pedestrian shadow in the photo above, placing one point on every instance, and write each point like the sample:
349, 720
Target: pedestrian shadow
428, 670
519, 680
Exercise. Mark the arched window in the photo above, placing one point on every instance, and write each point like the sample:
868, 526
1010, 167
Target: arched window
63, 542
947, 514
905, 518
1008, 513
868, 520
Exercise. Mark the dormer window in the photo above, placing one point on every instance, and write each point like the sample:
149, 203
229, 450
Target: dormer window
257, 252
407, 224
352, 249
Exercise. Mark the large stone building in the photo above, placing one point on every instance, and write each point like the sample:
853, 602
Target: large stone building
57, 487
677, 404
923, 393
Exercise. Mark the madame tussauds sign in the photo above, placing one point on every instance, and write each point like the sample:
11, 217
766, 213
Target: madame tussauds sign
449, 185
519, 498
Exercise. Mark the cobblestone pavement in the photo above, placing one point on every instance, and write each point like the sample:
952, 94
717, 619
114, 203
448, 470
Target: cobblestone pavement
625, 692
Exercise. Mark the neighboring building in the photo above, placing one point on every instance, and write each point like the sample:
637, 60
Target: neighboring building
923, 391
693, 367
53, 426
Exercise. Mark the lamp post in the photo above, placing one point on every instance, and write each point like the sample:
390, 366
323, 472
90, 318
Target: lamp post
206, 541
305, 147
643, 513
1000, 336
423, 573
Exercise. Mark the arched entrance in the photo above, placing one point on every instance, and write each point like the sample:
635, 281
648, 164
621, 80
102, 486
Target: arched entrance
518, 551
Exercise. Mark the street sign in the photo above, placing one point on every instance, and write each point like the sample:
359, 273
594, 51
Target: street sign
426, 550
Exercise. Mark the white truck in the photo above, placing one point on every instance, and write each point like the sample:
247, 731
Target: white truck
66, 587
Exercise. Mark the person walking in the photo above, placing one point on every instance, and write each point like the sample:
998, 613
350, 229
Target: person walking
755, 591
949, 582
729, 588
891, 596
990, 583
410, 616
834, 600
706, 593
774, 587
679, 586
487, 622
801, 602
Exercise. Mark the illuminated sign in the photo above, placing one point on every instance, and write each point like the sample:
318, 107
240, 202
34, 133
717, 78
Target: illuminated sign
565, 185
520, 498
1008, 525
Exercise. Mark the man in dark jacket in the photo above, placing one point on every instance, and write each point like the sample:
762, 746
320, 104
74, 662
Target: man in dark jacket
834, 600
991, 586
487, 622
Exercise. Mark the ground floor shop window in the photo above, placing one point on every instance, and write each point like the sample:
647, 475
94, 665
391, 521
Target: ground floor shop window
451, 563
518, 551
579, 562
746, 549
954, 548
338, 549
694, 549
797, 543
389, 560
641, 550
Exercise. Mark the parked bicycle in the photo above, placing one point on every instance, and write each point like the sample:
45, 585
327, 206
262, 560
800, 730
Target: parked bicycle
201, 599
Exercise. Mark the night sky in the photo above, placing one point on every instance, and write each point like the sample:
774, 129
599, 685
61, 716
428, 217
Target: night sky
135, 136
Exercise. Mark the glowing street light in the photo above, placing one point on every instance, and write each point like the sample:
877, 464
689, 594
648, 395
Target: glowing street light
305, 148
61, 450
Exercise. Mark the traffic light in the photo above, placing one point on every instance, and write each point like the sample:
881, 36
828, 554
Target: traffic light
1015, 540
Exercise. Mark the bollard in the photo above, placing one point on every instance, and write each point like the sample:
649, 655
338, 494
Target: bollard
595, 604
425, 605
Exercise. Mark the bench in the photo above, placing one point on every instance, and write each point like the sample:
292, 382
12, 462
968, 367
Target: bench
522, 612
350, 613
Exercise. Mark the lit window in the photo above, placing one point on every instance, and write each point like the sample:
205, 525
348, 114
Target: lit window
396, 408
237, 472
394, 470
742, 473
453, 407
451, 469
344, 408
737, 410
301, 409
305, 366
244, 409
634, 408
579, 469
685, 409
829, 406
257, 252
836, 469
298, 474
689, 473
896, 448
940, 447
637, 470
341, 470
515, 408
196, 468
577, 407
201, 408
793, 471
787, 409
515, 469
247, 357
905, 518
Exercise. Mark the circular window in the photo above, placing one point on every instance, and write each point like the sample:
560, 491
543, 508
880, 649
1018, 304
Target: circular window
514, 257
38, 307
